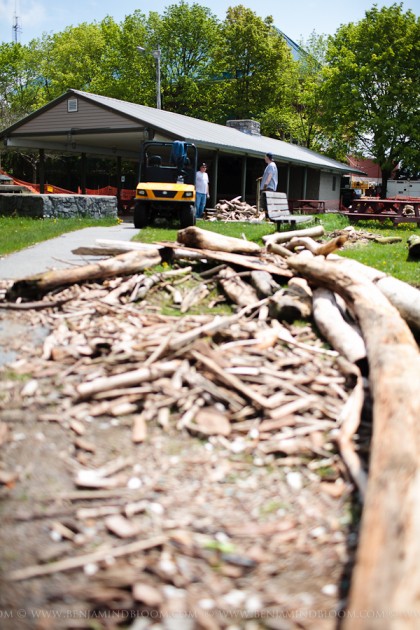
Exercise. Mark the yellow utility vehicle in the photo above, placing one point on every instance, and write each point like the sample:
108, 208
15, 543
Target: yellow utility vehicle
166, 183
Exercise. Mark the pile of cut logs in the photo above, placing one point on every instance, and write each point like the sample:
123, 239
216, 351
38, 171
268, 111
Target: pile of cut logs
369, 319
234, 210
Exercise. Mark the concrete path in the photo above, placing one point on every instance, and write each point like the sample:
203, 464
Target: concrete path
57, 252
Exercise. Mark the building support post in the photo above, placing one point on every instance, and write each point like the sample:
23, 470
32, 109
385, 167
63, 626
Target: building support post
41, 171
119, 182
243, 177
83, 173
213, 184
305, 182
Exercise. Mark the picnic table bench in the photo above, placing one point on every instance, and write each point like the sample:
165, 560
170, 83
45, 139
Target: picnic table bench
397, 210
277, 209
305, 206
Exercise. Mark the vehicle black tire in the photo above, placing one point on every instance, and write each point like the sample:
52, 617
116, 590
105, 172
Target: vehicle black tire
141, 214
187, 215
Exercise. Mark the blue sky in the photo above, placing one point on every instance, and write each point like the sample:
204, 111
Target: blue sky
296, 18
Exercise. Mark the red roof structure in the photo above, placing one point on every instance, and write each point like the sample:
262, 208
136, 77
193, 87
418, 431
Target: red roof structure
372, 170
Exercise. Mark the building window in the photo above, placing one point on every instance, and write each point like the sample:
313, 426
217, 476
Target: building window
334, 182
72, 105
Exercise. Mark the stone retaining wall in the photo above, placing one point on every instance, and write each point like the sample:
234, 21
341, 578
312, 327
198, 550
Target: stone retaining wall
55, 206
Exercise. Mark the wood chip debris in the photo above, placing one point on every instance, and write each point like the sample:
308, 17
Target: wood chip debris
260, 392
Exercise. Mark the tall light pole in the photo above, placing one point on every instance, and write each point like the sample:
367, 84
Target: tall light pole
156, 55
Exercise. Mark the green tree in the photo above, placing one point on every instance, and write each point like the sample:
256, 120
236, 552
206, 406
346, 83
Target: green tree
124, 73
297, 117
253, 57
19, 82
20, 89
371, 89
307, 92
73, 58
187, 36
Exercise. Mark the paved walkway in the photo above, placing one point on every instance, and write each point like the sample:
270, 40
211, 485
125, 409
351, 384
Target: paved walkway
57, 252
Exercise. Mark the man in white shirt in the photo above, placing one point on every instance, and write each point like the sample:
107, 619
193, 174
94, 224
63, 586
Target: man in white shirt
202, 192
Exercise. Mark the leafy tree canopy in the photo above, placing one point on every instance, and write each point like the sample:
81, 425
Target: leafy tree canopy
370, 95
252, 56
354, 92
188, 36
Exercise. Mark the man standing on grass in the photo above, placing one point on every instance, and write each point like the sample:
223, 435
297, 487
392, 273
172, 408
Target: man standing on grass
270, 178
201, 190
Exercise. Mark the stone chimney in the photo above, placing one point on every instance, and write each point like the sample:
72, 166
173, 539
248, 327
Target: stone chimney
251, 127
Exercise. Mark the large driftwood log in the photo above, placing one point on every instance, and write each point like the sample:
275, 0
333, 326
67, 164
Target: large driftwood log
247, 262
349, 421
317, 249
414, 246
292, 303
204, 239
340, 335
402, 295
236, 289
108, 247
124, 264
283, 237
387, 572
386, 240
263, 283
281, 250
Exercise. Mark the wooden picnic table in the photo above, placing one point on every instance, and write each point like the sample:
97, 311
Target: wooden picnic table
375, 205
306, 206
381, 209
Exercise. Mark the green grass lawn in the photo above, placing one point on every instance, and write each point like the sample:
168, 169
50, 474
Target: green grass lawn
390, 258
238, 229
16, 233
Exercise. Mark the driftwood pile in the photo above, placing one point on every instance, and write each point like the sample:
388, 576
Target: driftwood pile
234, 210
250, 380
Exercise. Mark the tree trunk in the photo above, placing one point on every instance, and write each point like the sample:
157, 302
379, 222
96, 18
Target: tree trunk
387, 572
386, 174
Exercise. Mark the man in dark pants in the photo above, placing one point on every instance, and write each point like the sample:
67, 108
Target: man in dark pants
269, 179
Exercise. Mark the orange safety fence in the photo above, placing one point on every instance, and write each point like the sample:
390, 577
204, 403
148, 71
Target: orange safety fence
34, 188
19, 182
126, 194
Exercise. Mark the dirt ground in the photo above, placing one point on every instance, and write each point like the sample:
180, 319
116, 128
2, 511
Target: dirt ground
236, 536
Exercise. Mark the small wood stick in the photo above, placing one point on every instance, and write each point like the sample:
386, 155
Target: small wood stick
80, 561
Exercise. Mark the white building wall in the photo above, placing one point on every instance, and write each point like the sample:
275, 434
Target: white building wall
329, 190
403, 188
